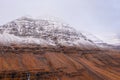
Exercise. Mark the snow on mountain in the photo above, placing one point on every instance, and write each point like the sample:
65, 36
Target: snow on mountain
92, 37
43, 32
104, 44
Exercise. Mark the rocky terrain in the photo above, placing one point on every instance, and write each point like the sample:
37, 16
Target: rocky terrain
34, 49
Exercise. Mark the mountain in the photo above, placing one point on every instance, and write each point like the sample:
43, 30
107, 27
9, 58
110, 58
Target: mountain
37, 49
42, 32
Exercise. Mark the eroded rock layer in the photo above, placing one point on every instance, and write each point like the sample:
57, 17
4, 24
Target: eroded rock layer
17, 63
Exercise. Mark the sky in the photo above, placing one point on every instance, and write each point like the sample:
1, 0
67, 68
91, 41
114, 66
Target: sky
99, 17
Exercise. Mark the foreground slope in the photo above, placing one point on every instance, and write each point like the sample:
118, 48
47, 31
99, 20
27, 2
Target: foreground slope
51, 65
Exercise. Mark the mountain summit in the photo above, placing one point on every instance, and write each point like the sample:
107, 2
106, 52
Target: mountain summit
42, 32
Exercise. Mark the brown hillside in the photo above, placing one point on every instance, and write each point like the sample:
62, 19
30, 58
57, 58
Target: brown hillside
32, 63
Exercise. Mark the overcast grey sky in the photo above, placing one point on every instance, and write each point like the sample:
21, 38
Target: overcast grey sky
99, 17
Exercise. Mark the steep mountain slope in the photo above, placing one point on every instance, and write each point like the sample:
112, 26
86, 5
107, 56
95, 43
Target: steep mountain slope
96, 40
43, 32
92, 37
100, 42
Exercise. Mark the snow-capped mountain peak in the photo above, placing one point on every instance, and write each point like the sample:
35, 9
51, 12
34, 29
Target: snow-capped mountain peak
43, 32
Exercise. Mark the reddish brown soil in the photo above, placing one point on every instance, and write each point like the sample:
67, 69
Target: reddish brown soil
83, 65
